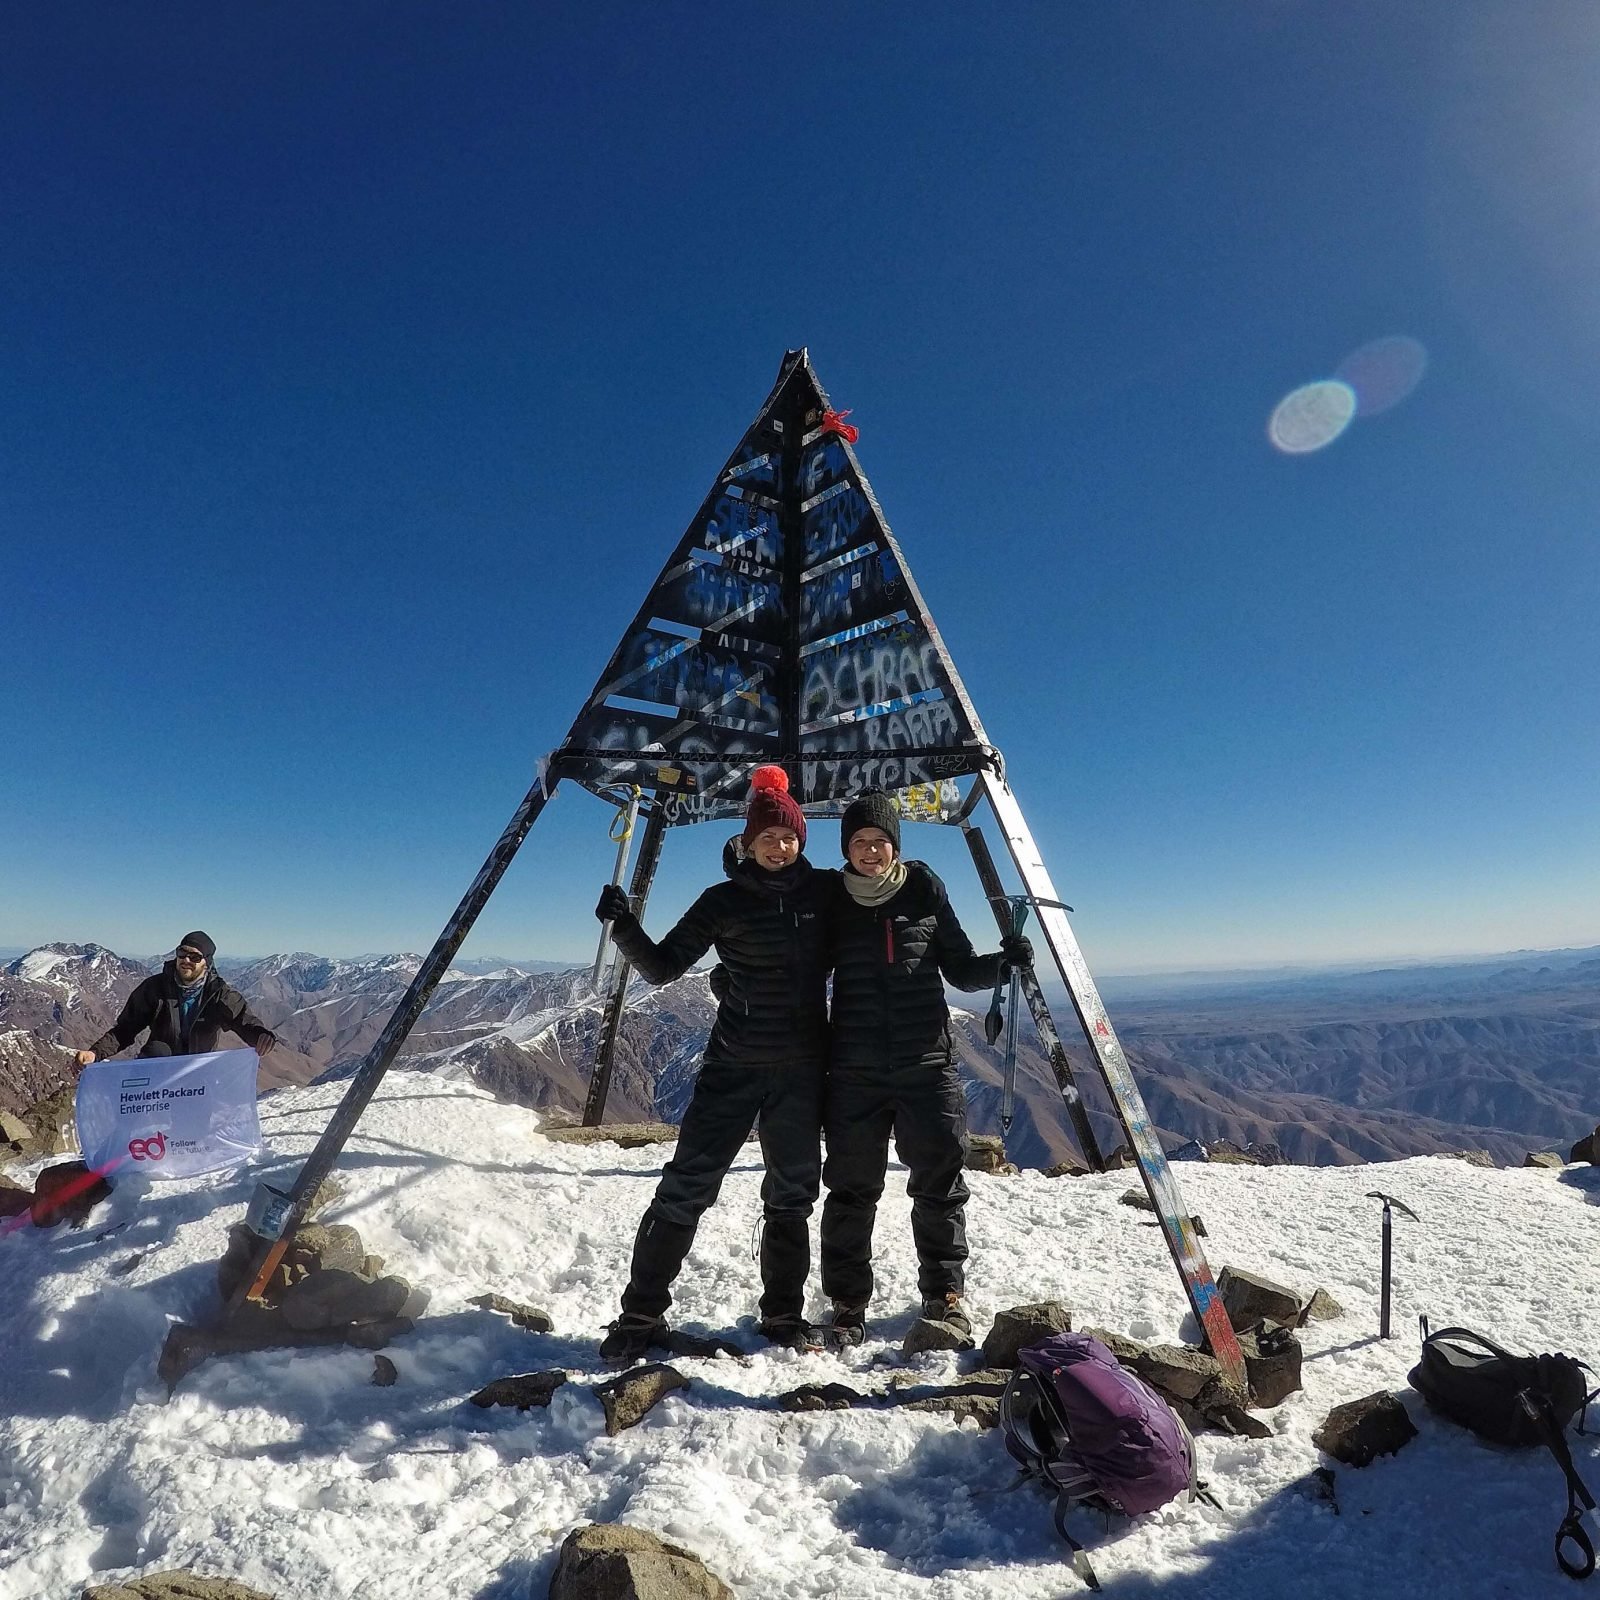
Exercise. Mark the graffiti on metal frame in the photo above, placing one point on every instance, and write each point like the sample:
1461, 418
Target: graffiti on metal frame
782, 628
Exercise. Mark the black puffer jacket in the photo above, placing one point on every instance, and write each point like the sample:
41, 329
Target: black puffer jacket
769, 932
154, 1005
890, 966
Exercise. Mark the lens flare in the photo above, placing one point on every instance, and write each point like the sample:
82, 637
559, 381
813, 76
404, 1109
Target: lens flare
1312, 416
1383, 372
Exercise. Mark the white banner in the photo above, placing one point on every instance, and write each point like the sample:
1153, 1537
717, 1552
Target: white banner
169, 1116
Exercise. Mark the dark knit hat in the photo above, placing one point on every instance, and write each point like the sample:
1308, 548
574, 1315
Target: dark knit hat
872, 808
203, 942
772, 806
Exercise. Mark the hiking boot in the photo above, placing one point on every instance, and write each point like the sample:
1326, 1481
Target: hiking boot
788, 1333
948, 1310
630, 1338
846, 1327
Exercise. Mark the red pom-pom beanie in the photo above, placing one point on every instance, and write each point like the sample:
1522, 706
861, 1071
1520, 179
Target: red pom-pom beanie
772, 806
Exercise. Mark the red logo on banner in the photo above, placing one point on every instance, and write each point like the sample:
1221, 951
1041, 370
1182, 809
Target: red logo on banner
151, 1149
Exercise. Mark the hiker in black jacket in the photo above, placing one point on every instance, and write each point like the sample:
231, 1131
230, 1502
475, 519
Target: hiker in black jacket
895, 944
765, 1060
185, 1006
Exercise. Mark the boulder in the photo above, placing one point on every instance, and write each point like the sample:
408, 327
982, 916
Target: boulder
1321, 1307
14, 1199
987, 1153
927, 1334
702, 1347
1272, 1360
609, 1561
629, 1399
1250, 1300
322, 1247
338, 1298
1587, 1148
1178, 1371
45, 1120
1473, 1158
629, 1135
522, 1390
1548, 1159
1119, 1158
327, 1193
385, 1374
529, 1317
67, 1192
15, 1134
1020, 1326
1136, 1198
174, 1586
1361, 1430
822, 1397
1070, 1168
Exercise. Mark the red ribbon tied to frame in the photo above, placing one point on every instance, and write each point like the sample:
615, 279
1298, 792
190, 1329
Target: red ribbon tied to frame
833, 422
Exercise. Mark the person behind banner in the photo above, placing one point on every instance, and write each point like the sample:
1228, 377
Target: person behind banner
765, 1060
186, 1006
895, 942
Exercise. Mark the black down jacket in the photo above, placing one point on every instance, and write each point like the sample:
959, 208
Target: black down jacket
890, 966
154, 1005
769, 932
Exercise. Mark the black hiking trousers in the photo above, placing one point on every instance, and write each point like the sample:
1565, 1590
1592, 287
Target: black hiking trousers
728, 1101
922, 1105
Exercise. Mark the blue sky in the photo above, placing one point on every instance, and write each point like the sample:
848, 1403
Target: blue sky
362, 364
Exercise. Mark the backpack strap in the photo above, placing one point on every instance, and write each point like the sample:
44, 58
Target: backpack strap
1580, 1503
1467, 1336
1080, 1557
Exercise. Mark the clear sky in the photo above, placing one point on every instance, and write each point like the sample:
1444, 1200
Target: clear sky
362, 363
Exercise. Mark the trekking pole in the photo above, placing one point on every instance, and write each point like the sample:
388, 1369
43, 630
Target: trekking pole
626, 815
1390, 1205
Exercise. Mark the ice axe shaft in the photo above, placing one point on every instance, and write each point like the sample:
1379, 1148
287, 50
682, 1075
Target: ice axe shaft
1390, 1206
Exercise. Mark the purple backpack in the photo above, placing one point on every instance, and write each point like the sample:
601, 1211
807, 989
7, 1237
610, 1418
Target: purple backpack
1094, 1433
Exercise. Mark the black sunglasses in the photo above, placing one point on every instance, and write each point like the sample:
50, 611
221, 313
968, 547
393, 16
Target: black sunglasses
190, 955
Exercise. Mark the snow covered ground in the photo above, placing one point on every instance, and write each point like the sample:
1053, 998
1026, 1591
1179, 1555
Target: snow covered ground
292, 1472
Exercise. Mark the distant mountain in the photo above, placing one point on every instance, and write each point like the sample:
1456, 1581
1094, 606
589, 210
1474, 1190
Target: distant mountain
1361, 1066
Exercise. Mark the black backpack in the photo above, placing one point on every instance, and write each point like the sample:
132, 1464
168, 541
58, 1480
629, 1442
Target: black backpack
1516, 1401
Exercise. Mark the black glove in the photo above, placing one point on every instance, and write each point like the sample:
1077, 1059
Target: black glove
1016, 950
613, 903
721, 983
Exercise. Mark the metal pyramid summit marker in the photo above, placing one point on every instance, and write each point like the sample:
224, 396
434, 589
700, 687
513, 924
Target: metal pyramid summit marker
786, 627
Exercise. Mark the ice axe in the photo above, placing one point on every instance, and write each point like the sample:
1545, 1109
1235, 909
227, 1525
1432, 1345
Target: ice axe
993, 1022
1390, 1206
621, 830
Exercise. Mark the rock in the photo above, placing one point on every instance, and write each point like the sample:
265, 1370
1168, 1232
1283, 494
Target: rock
1474, 1158
628, 1399
1254, 1154
529, 1317
67, 1192
926, 1334
822, 1397
1272, 1364
963, 1405
1176, 1370
1070, 1168
1020, 1326
174, 1586
261, 1329
1543, 1158
338, 1297
1136, 1198
319, 1247
1362, 1430
385, 1374
1227, 1417
15, 1133
45, 1119
986, 1153
701, 1346
14, 1199
522, 1390
1318, 1486
609, 1561
1250, 1300
329, 1192
629, 1135
1126, 1350
1587, 1148
1119, 1158
372, 1266
1321, 1307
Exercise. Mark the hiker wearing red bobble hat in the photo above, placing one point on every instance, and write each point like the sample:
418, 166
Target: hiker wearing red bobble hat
765, 1060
